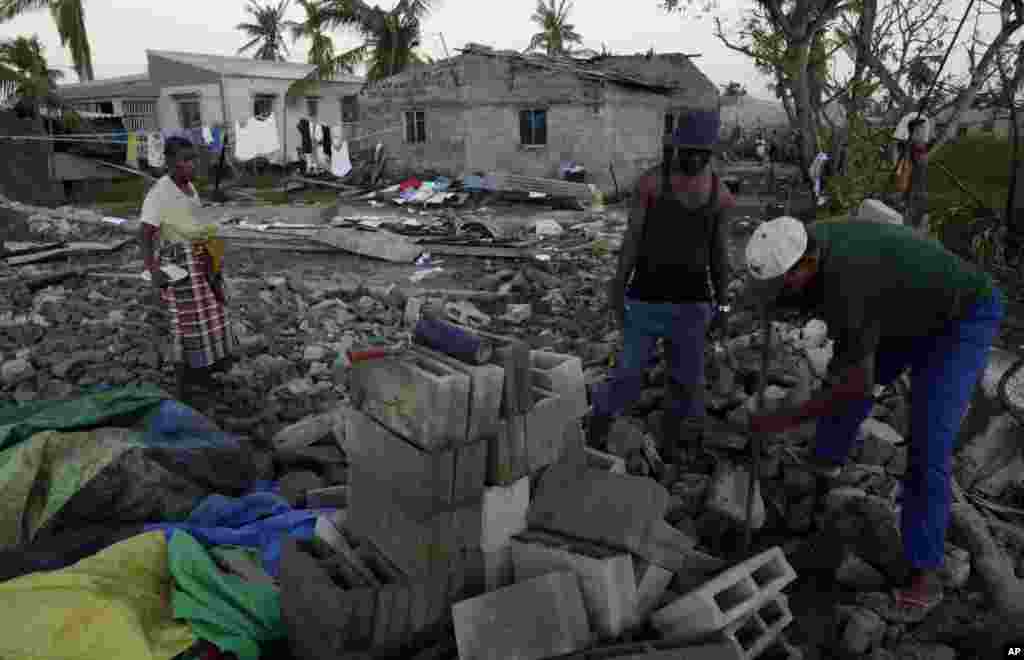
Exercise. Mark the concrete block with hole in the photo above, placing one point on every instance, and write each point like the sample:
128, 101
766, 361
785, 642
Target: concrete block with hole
761, 629
507, 457
531, 620
545, 429
561, 374
421, 481
726, 598
422, 400
485, 390
607, 581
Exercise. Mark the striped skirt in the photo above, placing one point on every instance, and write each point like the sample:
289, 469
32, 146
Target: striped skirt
200, 333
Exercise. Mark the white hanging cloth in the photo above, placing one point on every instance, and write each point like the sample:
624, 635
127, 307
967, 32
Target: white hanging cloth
257, 138
155, 149
207, 135
340, 163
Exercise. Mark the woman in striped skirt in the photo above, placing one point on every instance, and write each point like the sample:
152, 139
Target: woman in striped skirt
201, 335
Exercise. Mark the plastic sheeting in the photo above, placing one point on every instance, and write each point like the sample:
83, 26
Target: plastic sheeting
233, 614
102, 408
115, 604
257, 520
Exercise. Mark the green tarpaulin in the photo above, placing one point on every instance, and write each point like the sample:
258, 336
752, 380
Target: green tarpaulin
18, 422
233, 614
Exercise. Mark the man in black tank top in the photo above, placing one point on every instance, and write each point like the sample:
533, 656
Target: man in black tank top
671, 280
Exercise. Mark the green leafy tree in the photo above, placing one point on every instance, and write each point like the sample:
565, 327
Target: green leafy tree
556, 33
69, 17
390, 39
315, 27
23, 63
266, 33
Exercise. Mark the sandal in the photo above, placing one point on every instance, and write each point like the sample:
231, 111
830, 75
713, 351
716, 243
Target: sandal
901, 606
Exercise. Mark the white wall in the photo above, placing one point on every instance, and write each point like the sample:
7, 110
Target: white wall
241, 94
209, 104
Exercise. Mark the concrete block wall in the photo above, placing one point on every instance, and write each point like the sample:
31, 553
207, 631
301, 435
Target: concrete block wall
25, 167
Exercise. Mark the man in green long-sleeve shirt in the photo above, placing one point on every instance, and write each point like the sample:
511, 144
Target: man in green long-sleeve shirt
892, 300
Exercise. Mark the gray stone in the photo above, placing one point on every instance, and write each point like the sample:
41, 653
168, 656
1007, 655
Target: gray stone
918, 651
314, 353
727, 495
878, 442
800, 513
858, 629
798, 479
295, 485
857, 574
16, 371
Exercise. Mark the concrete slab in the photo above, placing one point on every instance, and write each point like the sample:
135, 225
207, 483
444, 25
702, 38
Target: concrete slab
422, 482
535, 619
607, 583
419, 399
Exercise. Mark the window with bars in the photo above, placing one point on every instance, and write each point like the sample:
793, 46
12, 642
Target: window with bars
263, 105
415, 126
349, 109
533, 127
139, 115
313, 107
189, 113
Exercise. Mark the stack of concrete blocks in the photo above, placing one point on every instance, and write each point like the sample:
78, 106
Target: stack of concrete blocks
543, 402
418, 445
743, 606
340, 594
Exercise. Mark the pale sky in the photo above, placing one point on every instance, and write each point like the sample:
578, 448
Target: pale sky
120, 31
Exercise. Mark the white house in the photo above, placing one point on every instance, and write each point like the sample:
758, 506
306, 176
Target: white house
192, 90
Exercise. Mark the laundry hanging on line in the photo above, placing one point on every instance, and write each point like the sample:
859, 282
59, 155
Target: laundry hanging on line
341, 165
257, 138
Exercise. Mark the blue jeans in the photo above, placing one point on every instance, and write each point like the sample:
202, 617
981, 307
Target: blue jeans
944, 370
683, 326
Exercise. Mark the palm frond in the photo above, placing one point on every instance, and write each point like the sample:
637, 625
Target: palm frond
9, 9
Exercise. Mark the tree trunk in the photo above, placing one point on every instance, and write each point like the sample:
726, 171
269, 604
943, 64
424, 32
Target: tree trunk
801, 91
1015, 201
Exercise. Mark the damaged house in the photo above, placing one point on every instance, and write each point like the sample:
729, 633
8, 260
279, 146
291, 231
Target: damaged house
502, 111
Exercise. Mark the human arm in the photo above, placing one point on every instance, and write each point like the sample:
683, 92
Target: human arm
629, 251
149, 236
854, 380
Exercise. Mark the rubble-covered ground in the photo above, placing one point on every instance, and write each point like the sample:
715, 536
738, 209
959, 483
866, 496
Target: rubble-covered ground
296, 314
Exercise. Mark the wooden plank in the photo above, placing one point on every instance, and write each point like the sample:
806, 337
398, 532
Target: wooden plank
376, 244
72, 250
490, 251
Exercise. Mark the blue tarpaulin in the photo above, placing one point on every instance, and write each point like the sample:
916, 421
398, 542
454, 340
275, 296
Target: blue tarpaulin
256, 520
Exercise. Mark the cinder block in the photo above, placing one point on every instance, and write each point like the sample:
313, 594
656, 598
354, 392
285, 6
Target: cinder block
507, 460
561, 374
655, 650
651, 582
545, 429
607, 583
413, 545
335, 497
422, 482
422, 400
514, 359
504, 513
726, 598
600, 460
621, 511
531, 620
485, 389
755, 633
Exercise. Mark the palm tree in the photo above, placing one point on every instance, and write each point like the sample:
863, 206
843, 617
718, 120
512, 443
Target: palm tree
266, 31
556, 33
390, 39
35, 84
69, 16
314, 28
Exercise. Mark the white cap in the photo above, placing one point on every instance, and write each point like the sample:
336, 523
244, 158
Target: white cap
775, 247
902, 132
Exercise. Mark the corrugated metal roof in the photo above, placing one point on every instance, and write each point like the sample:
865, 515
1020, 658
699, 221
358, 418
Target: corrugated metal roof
245, 66
137, 86
591, 68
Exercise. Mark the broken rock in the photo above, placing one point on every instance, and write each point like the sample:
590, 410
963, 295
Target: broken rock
17, 371
878, 442
295, 485
857, 574
858, 629
727, 495
304, 433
